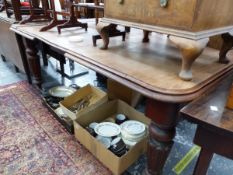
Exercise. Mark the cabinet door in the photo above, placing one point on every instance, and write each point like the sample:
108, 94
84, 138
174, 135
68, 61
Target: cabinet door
8, 45
177, 13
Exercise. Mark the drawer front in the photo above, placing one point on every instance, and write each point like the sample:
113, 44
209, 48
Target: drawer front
177, 14
211, 14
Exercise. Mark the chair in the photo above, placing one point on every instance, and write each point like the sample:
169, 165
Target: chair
97, 6
68, 12
37, 13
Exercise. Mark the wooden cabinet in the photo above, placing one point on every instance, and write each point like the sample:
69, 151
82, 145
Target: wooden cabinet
8, 44
188, 24
189, 15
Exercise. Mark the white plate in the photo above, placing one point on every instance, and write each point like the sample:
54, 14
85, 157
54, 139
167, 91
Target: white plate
61, 91
75, 39
133, 127
107, 129
133, 138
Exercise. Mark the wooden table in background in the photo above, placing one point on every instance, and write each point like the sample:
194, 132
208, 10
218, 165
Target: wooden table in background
215, 124
149, 71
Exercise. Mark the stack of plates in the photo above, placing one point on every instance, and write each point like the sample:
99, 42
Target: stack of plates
132, 132
105, 131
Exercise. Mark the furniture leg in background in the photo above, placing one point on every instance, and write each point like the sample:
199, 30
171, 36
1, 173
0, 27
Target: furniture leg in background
20, 43
105, 31
227, 45
35, 6
33, 61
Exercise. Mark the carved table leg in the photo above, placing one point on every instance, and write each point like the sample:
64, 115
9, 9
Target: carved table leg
161, 133
21, 46
227, 45
33, 61
190, 50
107, 30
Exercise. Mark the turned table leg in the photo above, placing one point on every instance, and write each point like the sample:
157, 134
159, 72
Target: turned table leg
21, 46
190, 50
227, 45
161, 133
33, 61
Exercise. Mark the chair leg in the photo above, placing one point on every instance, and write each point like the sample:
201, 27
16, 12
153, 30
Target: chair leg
203, 162
16, 69
3, 58
44, 54
62, 68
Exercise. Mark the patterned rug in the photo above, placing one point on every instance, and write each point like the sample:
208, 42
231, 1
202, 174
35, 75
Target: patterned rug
33, 142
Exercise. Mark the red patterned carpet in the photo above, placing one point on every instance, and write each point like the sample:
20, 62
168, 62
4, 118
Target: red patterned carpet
33, 142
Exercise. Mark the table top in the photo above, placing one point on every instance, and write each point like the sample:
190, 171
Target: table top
149, 68
210, 110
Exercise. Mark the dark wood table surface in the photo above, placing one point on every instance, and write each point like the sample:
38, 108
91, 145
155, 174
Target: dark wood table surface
215, 124
210, 111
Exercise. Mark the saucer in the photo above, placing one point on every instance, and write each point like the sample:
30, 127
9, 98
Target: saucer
107, 129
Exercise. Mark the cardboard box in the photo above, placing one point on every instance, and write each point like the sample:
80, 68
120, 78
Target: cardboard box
98, 97
126, 94
116, 164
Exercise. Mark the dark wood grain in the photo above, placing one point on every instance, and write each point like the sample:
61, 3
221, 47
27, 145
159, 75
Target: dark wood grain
189, 15
33, 61
210, 110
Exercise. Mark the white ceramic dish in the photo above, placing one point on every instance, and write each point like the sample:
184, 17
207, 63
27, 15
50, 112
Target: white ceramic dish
75, 39
128, 143
107, 129
93, 125
133, 127
106, 141
61, 91
132, 138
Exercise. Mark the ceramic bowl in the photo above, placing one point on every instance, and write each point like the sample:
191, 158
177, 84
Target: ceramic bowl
106, 141
120, 118
93, 125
